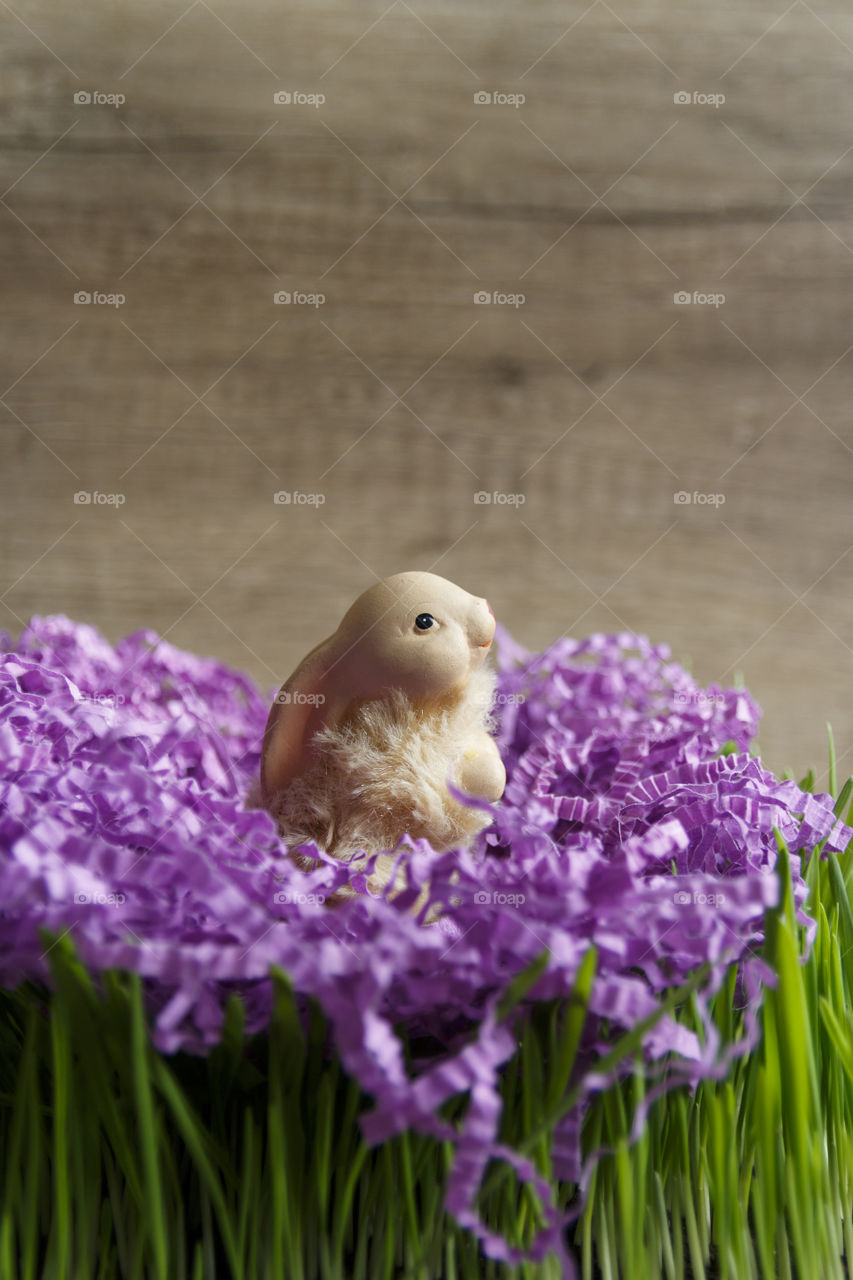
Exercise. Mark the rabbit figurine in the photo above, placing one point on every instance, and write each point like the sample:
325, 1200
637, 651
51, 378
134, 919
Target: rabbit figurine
363, 738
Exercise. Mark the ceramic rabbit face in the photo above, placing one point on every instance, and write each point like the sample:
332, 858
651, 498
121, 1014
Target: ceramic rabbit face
415, 632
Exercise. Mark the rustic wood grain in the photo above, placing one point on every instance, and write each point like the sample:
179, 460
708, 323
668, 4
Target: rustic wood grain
399, 398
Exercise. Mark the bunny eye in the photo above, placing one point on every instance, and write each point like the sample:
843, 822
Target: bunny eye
424, 621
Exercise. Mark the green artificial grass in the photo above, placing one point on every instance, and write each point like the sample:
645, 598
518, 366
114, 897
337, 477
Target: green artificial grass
120, 1161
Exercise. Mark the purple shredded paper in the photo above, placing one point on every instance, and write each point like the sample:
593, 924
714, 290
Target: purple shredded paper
124, 774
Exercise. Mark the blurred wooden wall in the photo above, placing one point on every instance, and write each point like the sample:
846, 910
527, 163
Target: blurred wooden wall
586, 407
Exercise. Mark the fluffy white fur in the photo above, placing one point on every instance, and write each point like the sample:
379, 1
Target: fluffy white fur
382, 771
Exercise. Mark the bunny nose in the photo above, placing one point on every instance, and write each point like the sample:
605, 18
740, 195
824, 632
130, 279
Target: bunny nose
487, 629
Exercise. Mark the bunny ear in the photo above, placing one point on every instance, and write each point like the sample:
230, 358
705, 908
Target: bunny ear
302, 706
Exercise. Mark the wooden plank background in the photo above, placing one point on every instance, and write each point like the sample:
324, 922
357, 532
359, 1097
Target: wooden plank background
398, 198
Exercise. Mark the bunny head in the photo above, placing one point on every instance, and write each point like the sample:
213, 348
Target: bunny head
413, 632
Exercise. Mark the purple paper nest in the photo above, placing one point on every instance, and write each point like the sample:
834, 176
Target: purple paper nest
123, 781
